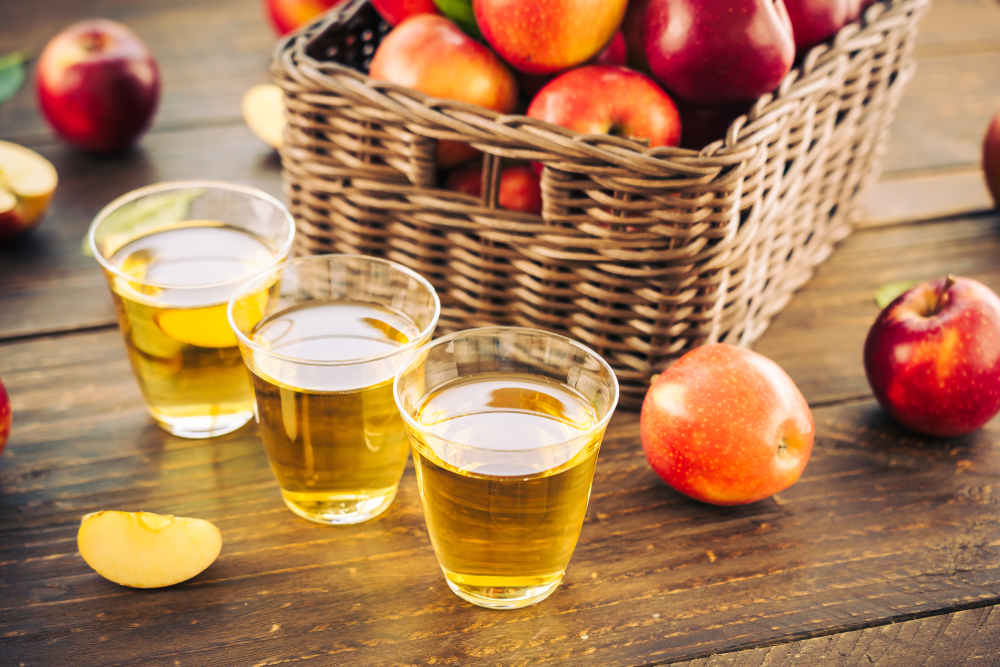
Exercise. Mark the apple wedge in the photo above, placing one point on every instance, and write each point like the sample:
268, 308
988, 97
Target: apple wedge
27, 181
264, 113
146, 550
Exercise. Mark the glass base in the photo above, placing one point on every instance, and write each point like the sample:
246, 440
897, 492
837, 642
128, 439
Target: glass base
334, 510
501, 597
202, 427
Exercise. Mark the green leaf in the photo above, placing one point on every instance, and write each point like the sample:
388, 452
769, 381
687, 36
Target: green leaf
460, 11
887, 293
11, 74
141, 217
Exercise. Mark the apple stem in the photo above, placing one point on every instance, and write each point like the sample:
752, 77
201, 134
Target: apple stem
948, 282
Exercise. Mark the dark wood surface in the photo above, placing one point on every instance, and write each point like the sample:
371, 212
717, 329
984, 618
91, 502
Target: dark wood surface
884, 553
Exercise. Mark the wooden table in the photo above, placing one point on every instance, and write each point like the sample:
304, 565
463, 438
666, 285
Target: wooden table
886, 552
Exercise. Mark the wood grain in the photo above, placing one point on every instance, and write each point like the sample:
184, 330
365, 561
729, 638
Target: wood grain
969, 637
883, 526
928, 195
209, 53
47, 284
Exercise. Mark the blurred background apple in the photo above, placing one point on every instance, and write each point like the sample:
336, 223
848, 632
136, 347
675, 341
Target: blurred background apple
27, 182
98, 86
287, 15
6, 417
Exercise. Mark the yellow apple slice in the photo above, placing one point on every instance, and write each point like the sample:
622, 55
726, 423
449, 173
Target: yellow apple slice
209, 327
145, 550
264, 113
27, 181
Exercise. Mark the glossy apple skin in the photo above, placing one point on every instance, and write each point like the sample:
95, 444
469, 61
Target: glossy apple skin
397, 11
287, 15
718, 51
937, 373
431, 54
815, 21
548, 36
726, 426
520, 187
991, 158
632, 27
98, 86
616, 53
601, 99
6, 417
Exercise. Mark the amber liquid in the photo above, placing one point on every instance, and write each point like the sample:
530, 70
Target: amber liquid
504, 518
178, 338
333, 434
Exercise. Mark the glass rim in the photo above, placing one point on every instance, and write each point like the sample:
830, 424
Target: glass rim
425, 333
496, 330
139, 193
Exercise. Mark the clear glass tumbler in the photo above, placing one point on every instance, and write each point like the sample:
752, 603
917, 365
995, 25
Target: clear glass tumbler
323, 337
173, 255
505, 425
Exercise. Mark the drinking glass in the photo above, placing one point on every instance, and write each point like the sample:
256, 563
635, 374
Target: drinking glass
323, 337
505, 425
173, 255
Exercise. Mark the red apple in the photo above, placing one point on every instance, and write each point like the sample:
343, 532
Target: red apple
98, 86
599, 99
6, 417
27, 181
991, 158
726, 426
718, 51
429, 53
632, 27
287, 15
397, 11
616, 53
815, 21
548, 36
932, 357
855, 8
520, 187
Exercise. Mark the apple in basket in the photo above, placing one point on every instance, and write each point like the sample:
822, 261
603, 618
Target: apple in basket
726, 426
287, 15
932, 357
718, 51
548, 36
98, 86
431, 54
815, 21
520, 188
397, 11
602, 99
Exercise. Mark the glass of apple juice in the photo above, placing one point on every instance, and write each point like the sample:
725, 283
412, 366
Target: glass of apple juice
173, 255
505, 425
322, 354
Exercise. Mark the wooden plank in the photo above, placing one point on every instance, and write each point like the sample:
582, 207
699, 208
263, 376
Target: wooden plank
209, 54
819, 336
883, 526
959, 26
927, 195
944, 112
47, 284
969, 637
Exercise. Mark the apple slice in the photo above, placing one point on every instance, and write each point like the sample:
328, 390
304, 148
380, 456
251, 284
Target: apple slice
27, 181
145, 550
264, 113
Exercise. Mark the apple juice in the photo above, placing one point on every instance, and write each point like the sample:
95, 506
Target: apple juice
504, 519
333, 434
173, 318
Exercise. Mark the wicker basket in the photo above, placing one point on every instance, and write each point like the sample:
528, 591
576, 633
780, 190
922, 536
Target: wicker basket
640, 253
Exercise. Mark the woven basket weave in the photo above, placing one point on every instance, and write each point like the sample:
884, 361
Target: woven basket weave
640, 253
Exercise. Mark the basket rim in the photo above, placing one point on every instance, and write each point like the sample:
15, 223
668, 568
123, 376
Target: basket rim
823, 69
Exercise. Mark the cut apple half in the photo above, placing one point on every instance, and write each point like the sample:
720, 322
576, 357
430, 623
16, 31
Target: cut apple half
27, 181
264, 113
146, 550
